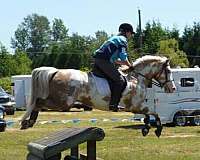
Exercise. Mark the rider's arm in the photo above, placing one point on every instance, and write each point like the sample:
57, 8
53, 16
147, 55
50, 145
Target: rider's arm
123, 57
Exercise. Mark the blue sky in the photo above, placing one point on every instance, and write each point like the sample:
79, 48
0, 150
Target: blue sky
88, 16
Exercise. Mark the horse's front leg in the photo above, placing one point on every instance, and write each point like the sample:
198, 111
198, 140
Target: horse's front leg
31, 121
159, 126
146, 128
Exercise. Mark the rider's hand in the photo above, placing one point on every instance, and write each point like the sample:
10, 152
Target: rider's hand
131, 68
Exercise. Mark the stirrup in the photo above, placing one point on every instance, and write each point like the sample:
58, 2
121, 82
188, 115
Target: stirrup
113, 108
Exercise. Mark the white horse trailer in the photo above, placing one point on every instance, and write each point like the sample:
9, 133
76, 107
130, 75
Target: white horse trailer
181, 107
21, 90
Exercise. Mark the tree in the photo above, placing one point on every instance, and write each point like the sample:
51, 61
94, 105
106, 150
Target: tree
173, 34
19, 63
79, 44
170, 49
21, 40
189, 43
152, 35
23, 63
5, 62
133, 53
100, 38
32, 35
59, 31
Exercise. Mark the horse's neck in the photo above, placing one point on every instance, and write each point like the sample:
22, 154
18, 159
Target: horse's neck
148, 70
146, 73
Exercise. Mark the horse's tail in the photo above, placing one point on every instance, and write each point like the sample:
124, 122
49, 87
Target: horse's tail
39, 87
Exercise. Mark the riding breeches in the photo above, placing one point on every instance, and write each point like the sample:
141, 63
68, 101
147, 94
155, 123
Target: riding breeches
117, 82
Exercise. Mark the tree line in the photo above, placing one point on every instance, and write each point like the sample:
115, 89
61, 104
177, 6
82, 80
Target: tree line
39, 42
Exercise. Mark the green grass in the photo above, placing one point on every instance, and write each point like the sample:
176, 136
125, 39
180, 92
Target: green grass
123, 140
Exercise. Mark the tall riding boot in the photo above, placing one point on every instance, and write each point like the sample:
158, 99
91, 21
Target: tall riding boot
116, 94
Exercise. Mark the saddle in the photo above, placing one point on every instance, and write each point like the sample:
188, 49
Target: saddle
103, 86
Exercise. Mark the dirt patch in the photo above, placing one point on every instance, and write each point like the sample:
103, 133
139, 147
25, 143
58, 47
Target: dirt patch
55, 113
180, 136
12, 129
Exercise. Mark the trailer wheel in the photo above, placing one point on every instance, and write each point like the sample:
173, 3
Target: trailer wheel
2, 125
196, 119
180, 119
11, 112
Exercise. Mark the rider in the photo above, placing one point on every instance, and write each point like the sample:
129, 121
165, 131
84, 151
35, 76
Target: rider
113, 52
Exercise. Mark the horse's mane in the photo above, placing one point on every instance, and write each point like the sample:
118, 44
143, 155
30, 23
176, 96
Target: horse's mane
146, 58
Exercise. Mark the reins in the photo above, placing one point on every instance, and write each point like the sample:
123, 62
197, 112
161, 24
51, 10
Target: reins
151, 80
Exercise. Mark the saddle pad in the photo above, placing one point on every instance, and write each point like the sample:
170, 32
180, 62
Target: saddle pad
102, 85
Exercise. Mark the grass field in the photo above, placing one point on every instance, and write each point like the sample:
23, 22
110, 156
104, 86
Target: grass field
123, 140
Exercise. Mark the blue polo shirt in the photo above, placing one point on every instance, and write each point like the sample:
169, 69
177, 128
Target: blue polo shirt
115, 48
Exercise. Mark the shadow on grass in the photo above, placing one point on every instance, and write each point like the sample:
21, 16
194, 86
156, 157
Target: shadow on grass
62, 111
137, 126
75, 111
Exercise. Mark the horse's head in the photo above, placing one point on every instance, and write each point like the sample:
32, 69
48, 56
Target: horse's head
164, 77
151, 68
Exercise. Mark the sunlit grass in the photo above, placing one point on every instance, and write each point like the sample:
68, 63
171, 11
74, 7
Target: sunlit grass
123, 140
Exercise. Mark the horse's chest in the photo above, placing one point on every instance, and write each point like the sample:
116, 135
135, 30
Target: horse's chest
140, 94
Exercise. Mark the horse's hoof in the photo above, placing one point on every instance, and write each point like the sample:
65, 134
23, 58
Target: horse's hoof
158, 131
24, 124
31, 123
145, 131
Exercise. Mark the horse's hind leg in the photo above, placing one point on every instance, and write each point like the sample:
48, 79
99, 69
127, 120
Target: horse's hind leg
146, 128
33, 118
31, 121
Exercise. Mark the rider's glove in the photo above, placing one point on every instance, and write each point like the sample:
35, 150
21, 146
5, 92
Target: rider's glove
131, 68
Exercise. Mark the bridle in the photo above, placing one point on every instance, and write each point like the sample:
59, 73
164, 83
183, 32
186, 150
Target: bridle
164, 69
157, 76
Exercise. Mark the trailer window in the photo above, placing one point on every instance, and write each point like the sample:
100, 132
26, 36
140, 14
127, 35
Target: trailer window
187, 82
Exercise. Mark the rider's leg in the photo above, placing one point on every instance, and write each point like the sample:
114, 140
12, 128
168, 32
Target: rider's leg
116, 94
116, 81
97, 71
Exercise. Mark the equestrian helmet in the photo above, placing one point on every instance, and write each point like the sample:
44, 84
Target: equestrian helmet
126, 27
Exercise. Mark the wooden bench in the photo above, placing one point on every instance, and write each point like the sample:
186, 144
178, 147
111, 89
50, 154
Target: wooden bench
51, 146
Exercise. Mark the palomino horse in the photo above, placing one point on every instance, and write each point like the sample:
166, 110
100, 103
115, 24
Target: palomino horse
59, 89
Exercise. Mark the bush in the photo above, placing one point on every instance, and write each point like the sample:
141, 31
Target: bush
5, 83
